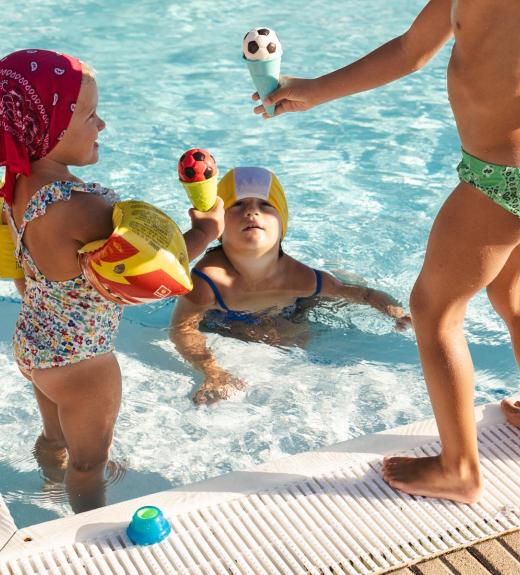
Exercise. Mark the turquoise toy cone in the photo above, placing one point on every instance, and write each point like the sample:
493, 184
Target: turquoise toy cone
265, 75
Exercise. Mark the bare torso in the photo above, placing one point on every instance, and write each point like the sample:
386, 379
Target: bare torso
290, 280
484, 78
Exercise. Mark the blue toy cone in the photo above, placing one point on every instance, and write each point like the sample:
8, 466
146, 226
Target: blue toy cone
265, 75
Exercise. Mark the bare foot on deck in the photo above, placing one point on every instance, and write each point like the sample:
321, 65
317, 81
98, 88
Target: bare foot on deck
426, 476
511, 411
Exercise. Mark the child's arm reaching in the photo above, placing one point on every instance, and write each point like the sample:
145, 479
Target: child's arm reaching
397, 58
332, 287
205, 227
191, 344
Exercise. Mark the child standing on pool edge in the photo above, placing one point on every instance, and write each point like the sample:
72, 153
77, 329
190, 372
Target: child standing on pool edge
64, 336
475, 240
249, 286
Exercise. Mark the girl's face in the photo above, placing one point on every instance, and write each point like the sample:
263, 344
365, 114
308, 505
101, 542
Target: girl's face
79, 147
252, 223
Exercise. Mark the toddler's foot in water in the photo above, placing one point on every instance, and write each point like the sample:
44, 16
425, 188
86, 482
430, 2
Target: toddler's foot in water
511, 411
52, 458
218, 386
427, 476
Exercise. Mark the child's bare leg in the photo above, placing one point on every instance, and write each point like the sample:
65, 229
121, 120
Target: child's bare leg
504, 294
87, 395
50, 448
470, 242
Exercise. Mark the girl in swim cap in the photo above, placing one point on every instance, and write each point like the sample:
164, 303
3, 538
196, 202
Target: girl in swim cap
249, 286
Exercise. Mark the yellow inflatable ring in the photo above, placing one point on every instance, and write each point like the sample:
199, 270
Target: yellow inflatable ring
144, 260
9, 267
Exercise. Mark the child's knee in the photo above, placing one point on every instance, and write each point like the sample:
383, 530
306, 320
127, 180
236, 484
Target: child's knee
47, 443
421, 304
433, 312
91, 456
89, 462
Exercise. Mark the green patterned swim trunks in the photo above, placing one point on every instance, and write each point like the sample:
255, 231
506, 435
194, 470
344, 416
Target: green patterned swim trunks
500, 183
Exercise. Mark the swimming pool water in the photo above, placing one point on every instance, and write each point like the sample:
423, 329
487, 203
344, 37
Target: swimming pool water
364, 178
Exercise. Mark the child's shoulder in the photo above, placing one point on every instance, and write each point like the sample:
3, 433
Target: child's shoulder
214, 264
41, 191
78, 216
201, 293
300, 276
206, 277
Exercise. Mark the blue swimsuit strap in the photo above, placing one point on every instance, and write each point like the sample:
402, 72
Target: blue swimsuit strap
220, 301
212, 285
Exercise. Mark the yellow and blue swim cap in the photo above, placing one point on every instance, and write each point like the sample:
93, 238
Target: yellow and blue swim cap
253, 182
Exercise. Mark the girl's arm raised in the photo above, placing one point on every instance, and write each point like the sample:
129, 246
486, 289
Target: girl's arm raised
205, 227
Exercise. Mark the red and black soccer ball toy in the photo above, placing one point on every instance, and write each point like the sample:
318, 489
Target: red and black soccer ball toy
196, 165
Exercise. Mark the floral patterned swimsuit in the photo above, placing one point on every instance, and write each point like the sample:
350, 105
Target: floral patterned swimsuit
60, 322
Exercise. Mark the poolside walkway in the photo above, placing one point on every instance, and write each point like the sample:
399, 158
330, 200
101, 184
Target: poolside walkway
500, 556
321, 513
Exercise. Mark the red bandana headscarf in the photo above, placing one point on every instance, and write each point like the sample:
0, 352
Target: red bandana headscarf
38, 94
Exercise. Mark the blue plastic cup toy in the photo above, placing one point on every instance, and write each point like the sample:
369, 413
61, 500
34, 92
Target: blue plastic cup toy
148, 526
265, 75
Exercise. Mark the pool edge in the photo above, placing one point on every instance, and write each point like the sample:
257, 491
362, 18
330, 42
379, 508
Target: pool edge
93, 524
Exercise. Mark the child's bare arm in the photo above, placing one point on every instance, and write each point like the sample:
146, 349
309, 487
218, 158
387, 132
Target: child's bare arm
87, 217
205, 227
377, 299
185, 334
192, 345
397, 58
84, 218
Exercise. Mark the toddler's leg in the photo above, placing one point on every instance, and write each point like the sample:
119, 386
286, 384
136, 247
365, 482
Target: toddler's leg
470, 242
87, 395
50, 449
504, 294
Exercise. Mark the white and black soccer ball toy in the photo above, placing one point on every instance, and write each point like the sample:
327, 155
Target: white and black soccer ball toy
261, 44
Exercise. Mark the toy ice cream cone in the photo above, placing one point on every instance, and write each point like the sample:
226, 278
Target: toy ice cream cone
262, 51
202, 195
265, 75
198, 174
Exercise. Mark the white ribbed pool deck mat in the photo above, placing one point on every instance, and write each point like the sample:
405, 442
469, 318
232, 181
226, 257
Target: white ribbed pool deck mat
346, 520
7, 526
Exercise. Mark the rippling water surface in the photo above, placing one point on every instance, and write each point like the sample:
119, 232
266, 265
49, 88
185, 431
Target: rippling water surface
364, 178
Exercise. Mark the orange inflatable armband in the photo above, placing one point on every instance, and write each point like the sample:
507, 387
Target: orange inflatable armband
144, 260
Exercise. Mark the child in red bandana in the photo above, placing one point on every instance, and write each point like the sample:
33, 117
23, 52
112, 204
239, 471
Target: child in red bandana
64, 336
